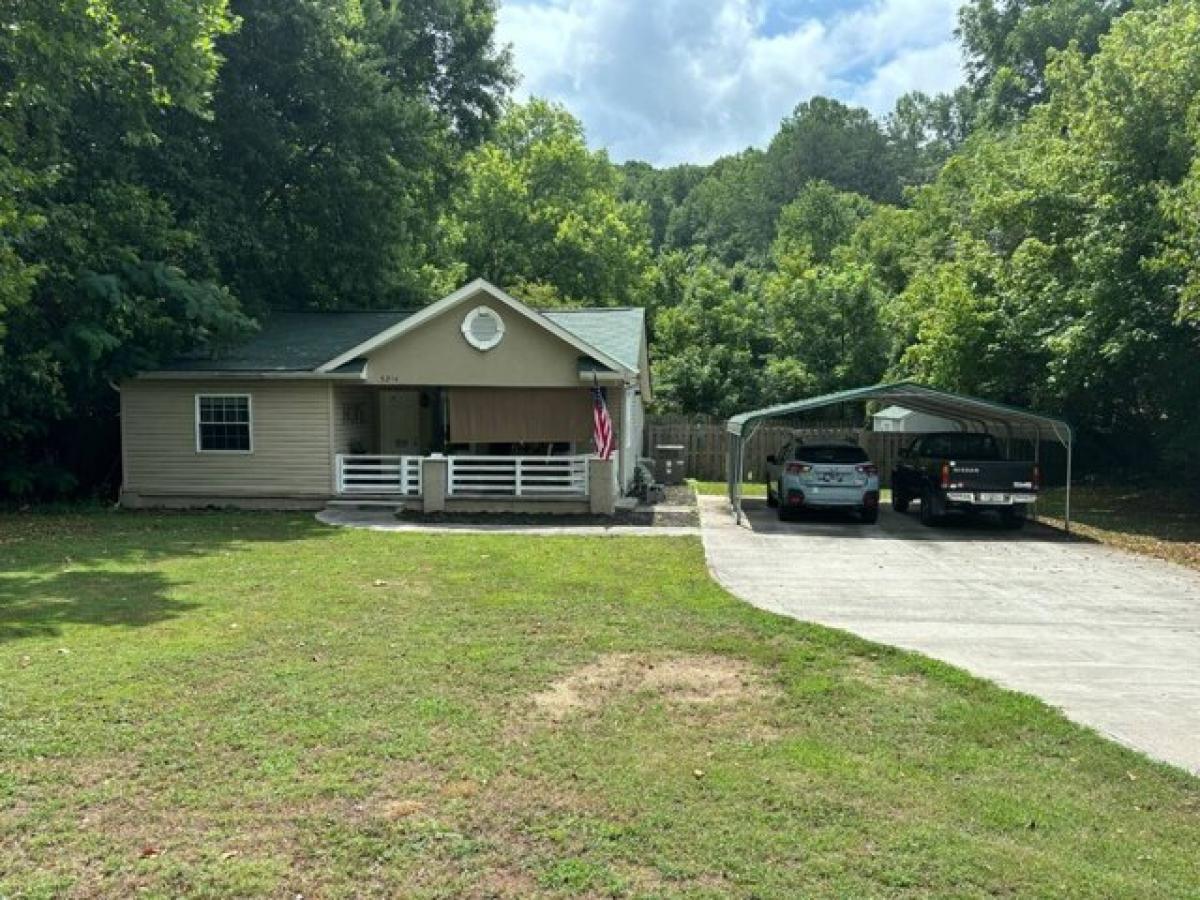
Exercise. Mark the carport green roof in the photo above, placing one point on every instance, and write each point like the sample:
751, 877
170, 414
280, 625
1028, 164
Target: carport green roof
303, 341
917, 397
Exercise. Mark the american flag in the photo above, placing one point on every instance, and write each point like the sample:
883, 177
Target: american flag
602, 427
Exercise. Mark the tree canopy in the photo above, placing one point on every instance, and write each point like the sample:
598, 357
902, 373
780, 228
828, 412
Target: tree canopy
540, 213
173, 173
172, 170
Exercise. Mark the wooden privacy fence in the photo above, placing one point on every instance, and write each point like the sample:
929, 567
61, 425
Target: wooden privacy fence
706, 444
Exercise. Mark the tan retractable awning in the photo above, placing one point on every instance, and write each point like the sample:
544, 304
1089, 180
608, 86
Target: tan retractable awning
519, 415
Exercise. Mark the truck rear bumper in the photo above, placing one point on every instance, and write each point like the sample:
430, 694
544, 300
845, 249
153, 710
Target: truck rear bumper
989, 498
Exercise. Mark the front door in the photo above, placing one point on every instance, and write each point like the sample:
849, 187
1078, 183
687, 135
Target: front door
400, 422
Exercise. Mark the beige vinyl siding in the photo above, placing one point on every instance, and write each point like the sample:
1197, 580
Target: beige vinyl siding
365, 432
290, 431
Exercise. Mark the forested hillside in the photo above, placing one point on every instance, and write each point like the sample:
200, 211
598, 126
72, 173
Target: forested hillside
173, 172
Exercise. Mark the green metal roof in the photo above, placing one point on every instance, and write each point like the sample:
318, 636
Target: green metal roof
301, 342
916, 397
616, 331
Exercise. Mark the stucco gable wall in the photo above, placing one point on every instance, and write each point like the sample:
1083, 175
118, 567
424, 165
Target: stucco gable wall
437, 353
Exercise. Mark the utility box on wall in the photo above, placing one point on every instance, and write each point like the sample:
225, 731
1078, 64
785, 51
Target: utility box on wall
670, 463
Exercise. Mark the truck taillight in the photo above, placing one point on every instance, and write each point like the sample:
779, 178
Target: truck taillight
870, 470
1037, 477
798, 468
945, 475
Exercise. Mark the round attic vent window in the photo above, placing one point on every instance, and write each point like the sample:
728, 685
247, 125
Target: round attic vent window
483, 328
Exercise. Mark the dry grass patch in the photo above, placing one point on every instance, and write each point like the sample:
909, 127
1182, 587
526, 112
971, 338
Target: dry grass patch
870, 673
677, 679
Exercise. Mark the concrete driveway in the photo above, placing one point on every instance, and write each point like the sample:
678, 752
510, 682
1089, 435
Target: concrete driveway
1111, 639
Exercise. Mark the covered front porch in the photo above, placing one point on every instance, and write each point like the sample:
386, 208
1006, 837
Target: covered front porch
434, 448
466, 477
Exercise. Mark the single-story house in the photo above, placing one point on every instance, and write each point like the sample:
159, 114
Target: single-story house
476, 402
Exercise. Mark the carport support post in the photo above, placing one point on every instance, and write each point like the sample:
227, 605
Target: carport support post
1037, 455
1067, 503
747, 434
735, 478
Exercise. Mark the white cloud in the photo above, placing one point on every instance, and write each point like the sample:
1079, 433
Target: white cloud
688, 80
930, 69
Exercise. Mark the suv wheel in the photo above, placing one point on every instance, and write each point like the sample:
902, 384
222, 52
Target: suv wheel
772, 496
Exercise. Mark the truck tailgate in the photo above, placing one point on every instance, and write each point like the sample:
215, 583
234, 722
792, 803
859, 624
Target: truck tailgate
991, 476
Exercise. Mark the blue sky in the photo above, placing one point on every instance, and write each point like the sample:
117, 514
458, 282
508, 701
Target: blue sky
672, 81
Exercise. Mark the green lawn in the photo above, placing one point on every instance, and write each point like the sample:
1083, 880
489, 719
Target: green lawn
719, 488
231, 705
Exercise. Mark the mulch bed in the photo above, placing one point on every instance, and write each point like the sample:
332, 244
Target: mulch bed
642, 517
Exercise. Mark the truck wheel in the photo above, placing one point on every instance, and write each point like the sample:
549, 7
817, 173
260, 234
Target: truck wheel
928, 517
899, 501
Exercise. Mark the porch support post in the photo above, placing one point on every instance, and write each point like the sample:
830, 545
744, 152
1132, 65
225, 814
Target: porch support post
433, 483
602, 487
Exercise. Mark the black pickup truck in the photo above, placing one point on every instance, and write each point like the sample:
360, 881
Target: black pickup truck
961, 472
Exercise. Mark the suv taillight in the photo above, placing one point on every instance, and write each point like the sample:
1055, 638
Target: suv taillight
868, 469
798, 468
945, 475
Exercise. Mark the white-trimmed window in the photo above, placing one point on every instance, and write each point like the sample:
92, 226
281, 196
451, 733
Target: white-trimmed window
223, 423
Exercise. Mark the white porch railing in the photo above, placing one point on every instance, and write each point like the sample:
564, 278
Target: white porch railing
379, 475
546, 477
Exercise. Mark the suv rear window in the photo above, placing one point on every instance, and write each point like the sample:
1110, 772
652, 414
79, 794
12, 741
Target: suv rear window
837, 454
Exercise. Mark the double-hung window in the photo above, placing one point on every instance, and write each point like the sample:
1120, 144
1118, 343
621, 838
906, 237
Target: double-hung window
223, 423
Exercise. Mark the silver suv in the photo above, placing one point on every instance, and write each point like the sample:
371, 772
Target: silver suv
823, 476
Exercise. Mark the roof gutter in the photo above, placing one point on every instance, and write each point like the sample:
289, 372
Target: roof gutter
250, 376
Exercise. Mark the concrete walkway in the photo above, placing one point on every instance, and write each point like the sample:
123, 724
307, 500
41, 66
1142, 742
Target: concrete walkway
1111, 639
385, 520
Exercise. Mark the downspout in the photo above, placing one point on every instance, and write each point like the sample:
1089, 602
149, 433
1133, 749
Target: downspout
121, 433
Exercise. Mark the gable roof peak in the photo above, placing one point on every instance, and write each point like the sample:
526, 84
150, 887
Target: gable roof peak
467, 291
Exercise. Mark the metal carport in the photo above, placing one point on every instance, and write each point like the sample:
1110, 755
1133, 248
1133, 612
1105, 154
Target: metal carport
969, 411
